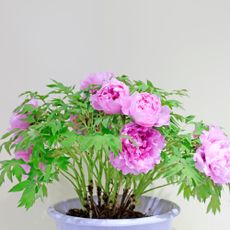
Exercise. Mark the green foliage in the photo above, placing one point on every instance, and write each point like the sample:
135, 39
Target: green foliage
11, 168
67, 135
105, 142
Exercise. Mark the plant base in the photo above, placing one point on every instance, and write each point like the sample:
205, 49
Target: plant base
160, 215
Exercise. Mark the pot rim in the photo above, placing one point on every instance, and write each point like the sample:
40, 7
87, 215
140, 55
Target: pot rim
60, 217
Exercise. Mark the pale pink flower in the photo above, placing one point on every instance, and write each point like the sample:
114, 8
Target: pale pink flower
17, 121
213, 156
141, 150
33, 102
25, 156
96, 79
109, 97
26, 169
146, 110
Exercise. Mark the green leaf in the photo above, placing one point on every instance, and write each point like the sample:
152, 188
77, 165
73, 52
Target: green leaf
7, 146
55, 126
9, 175
214, 204
69, 140
174, 103
190, 118
62, 162
106, 121
202, 191
8, 134
18, 171
199, 128
174, 171
114, 144
86, 142
27, 108
150, 84
20, 186
44, 191
2, 178
178, 117
28, 196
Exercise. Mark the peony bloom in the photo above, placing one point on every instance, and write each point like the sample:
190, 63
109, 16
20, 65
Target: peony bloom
73, 118
33, 102
213, 157
24, 155
146, 110
96, 79
17, 121
109, 97
141, 152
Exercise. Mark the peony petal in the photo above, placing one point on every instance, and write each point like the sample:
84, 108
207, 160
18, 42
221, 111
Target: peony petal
142, 153
164, 117
213, 156
96, 79
125, 105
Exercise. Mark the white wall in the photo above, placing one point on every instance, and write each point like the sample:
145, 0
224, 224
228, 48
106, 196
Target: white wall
176, 44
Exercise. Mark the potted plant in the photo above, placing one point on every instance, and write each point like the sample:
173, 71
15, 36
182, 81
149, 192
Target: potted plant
114, 140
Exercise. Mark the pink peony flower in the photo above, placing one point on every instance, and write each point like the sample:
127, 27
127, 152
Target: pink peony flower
73, 118
109, 97
146, 110
33, 102
26, 169
24, 155
17, 121
213, 157
141, 152
96, 79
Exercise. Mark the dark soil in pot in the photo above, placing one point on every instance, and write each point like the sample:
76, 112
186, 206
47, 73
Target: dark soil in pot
106, 213
124, 208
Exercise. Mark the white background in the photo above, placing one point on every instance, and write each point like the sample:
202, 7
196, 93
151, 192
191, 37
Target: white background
176, 44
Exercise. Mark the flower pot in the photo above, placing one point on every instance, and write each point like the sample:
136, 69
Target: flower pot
161, 214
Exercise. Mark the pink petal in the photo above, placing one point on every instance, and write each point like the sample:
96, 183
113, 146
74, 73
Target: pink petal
164, 117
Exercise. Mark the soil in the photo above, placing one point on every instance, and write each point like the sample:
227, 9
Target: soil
122, 208
105, 213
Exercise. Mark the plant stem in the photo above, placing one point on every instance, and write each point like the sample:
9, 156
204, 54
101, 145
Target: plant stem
158, 187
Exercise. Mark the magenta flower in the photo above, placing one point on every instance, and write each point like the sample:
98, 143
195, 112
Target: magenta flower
96, 79
140, 152
213, 157
109, 97
146, 110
